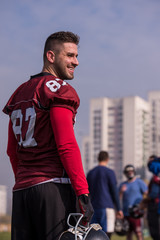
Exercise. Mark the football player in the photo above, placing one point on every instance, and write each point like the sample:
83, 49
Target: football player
131, 194
42, 148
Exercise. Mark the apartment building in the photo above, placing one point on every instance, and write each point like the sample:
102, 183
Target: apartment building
86, 153
121, 127
3, 200
154, 102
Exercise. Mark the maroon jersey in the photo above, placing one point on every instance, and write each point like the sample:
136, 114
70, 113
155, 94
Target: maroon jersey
29, 111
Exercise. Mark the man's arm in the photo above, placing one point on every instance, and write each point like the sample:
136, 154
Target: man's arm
122, 188
61, 120
62, 125
115, 196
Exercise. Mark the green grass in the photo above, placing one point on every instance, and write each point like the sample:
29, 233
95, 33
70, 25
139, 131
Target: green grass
116, 237
5, 236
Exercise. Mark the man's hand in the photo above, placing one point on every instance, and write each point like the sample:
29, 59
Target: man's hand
144, 204
119, 214
85, 208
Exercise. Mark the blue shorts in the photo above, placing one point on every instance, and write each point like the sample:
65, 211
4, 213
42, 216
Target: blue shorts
105, 217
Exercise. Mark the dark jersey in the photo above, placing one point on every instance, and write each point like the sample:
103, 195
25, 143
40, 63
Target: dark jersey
29, 111
103, 188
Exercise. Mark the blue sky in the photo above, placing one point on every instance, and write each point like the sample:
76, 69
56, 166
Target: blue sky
119, 52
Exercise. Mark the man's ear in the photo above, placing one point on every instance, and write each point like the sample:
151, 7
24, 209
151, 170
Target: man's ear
50, 56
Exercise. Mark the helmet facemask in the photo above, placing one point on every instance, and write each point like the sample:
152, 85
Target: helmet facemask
80, 232
129, 172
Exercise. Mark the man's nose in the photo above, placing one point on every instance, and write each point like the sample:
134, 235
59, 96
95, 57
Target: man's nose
75, 61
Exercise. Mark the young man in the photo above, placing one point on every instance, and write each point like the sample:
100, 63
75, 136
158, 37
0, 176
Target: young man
42, 147
131, 193
104, 194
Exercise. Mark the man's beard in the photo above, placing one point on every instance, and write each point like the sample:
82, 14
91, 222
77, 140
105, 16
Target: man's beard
62, 74
130, 176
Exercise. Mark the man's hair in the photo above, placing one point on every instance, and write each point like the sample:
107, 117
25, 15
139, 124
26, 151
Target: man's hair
102, 156
59, 37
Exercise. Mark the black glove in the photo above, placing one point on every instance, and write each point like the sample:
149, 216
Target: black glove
85, 208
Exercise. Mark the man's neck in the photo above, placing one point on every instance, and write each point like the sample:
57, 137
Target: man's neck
48, 69
103, 163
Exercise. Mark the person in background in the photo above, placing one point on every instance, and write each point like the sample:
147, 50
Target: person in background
153, 201
131, 193
42, 148
104, 194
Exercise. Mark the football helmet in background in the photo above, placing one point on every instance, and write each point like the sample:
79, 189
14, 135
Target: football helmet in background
135, 211
129, 171
80, 232
121, 226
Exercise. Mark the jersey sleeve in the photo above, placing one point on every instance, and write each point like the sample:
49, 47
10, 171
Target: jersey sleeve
54, 92
61, 120
11, 148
